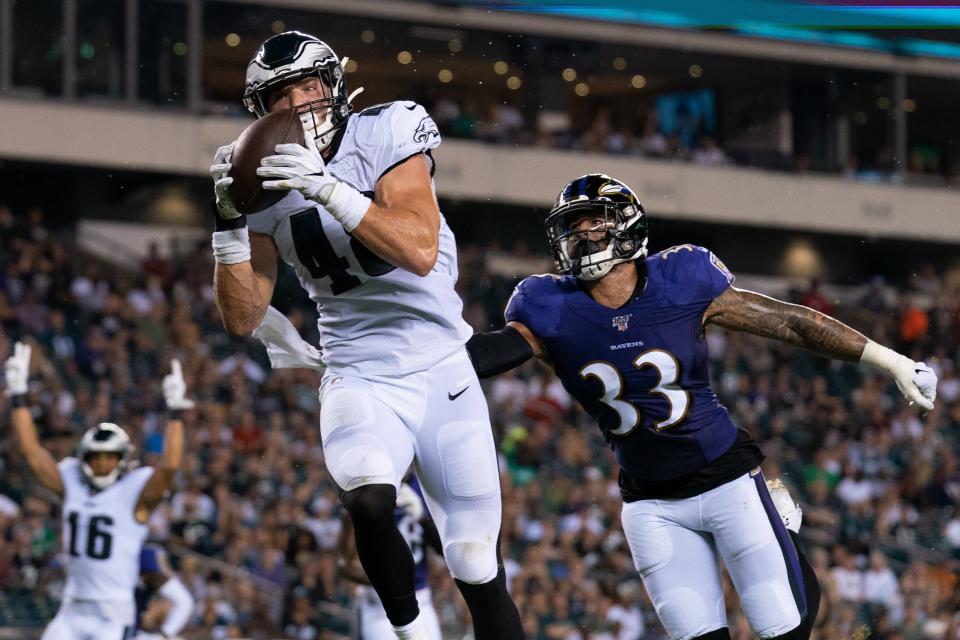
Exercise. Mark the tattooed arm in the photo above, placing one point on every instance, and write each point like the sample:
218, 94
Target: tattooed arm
804, 327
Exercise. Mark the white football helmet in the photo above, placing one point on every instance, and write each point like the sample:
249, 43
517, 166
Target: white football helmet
108, 437
292, 56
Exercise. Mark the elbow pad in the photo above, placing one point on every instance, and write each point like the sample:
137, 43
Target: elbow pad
493, 352
181, 609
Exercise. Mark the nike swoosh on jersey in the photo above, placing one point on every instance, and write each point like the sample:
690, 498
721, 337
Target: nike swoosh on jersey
454, 396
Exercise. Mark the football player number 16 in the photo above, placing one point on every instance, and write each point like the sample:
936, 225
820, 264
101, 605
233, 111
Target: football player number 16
678, 400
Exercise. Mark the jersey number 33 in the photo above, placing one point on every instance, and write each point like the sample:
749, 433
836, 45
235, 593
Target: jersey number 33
668, 369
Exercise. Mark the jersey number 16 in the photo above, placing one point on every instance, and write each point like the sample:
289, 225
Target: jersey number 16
99, 537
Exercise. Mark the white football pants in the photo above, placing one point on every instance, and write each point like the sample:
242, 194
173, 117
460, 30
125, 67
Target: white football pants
87, 620
676, 545
373, 427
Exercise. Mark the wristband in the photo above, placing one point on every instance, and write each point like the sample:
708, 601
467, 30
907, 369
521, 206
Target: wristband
232, 246
347, 205
226, 224
19, 400
881, 357
176, 414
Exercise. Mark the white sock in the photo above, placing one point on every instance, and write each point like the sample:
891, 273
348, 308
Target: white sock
416, 630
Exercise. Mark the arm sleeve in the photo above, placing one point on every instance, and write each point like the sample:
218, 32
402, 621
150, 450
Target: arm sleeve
181, 606
493, 352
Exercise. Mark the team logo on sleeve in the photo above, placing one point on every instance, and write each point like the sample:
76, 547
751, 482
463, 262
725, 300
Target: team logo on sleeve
425, 130
621, 322
722, 268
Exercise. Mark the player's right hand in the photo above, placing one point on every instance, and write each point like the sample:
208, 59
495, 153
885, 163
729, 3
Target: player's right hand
219, 171
17, 370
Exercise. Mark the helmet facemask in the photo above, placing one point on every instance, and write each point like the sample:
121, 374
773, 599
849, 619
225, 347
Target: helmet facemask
301, 56
589, 253
109, 438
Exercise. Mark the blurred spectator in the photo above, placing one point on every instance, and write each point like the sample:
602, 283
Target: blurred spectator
155, 265
814, 299
708, 153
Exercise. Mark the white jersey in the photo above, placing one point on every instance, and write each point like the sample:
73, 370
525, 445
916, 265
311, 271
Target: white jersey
101, 537
375, 319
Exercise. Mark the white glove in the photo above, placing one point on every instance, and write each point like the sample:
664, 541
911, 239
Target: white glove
175, 389
924, 381
296, 167
916, 381
221, 182
17, 370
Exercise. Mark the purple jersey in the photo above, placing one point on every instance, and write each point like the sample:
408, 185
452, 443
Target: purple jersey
642, 369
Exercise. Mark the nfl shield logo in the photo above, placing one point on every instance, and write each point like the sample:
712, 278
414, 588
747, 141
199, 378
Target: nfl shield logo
621, 322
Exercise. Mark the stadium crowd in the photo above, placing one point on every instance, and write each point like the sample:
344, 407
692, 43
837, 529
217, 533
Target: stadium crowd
254, 522
692, 141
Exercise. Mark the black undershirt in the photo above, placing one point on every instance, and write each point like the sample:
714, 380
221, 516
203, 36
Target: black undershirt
743, 456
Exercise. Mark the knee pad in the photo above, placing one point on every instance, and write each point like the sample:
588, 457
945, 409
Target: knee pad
471, 562
372, 503
774, 602
364, 463
470, 546
683, 612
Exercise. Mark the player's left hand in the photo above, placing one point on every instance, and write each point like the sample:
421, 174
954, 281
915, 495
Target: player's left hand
17, 370
175, 388
296, 167
922, 389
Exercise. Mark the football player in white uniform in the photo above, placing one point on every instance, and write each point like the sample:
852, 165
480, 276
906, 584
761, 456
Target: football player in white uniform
361, 227
106, 504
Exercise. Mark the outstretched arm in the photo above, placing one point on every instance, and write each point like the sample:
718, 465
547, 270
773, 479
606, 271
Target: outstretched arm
801, 326
174, 391
17, 372
39, 459
804, 327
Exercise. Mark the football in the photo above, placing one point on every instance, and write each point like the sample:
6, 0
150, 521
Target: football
257, 141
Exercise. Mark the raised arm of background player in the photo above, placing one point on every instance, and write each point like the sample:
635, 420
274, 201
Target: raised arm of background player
17, 372
494, 352
401, 225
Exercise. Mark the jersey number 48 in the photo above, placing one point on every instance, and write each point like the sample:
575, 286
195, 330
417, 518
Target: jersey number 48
317, 254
